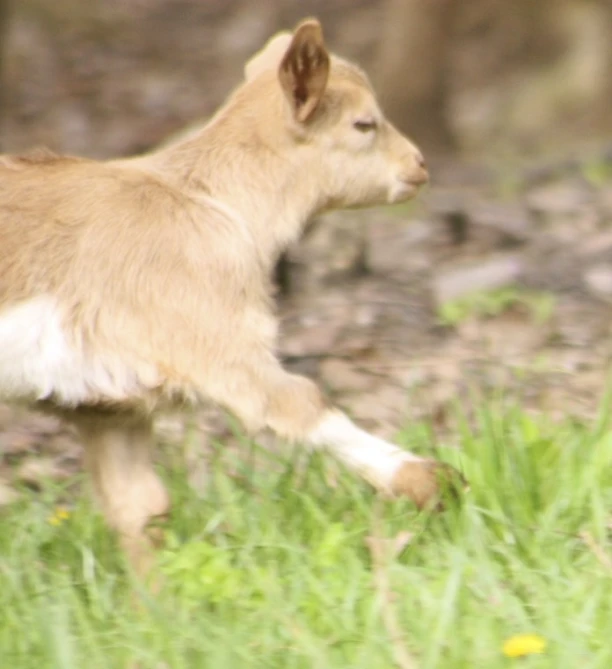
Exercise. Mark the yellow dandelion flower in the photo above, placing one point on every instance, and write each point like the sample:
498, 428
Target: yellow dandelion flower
524, 644
58, 516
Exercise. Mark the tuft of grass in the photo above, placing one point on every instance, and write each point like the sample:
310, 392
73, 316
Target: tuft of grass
598, 171
490, 303
271, 567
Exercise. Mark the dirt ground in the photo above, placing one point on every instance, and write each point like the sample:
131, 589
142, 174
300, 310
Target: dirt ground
381, 336
362, 313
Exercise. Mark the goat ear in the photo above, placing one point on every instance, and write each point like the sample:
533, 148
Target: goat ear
304, 69
269, 57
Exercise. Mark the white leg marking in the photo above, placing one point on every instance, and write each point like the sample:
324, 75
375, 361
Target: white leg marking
375, 459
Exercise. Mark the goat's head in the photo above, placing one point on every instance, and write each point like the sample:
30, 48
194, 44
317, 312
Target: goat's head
328, 106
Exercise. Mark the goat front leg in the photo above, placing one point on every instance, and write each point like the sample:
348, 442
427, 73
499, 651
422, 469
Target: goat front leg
387, 467
119, 459
294, 408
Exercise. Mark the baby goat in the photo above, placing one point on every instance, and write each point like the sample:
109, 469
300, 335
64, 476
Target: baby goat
129, 285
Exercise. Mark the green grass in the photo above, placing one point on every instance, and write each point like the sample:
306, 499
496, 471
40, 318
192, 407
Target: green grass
271, 568
538, 305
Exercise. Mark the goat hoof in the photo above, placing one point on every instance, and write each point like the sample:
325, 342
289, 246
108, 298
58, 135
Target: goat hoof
428, 483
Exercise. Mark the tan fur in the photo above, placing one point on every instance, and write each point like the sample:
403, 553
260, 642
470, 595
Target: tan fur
152, 273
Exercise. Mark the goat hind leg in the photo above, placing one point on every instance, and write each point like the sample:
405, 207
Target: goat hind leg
119, 459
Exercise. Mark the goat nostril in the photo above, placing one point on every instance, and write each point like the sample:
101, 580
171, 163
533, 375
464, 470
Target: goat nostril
421, 161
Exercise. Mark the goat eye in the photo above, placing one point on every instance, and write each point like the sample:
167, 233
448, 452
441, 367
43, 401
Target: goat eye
365, 125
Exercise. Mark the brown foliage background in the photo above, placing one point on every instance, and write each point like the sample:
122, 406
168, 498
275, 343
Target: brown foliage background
114, 77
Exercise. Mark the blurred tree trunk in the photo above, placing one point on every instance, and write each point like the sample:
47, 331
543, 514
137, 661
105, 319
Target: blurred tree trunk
606, 102
3, 28
412, 69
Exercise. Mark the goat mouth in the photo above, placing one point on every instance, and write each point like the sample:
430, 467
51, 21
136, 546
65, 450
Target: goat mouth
417, 181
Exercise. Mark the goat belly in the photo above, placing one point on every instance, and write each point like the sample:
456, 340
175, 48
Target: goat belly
38, 362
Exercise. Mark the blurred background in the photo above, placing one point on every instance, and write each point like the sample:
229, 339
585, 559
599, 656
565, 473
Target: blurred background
498, 278
115, 77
